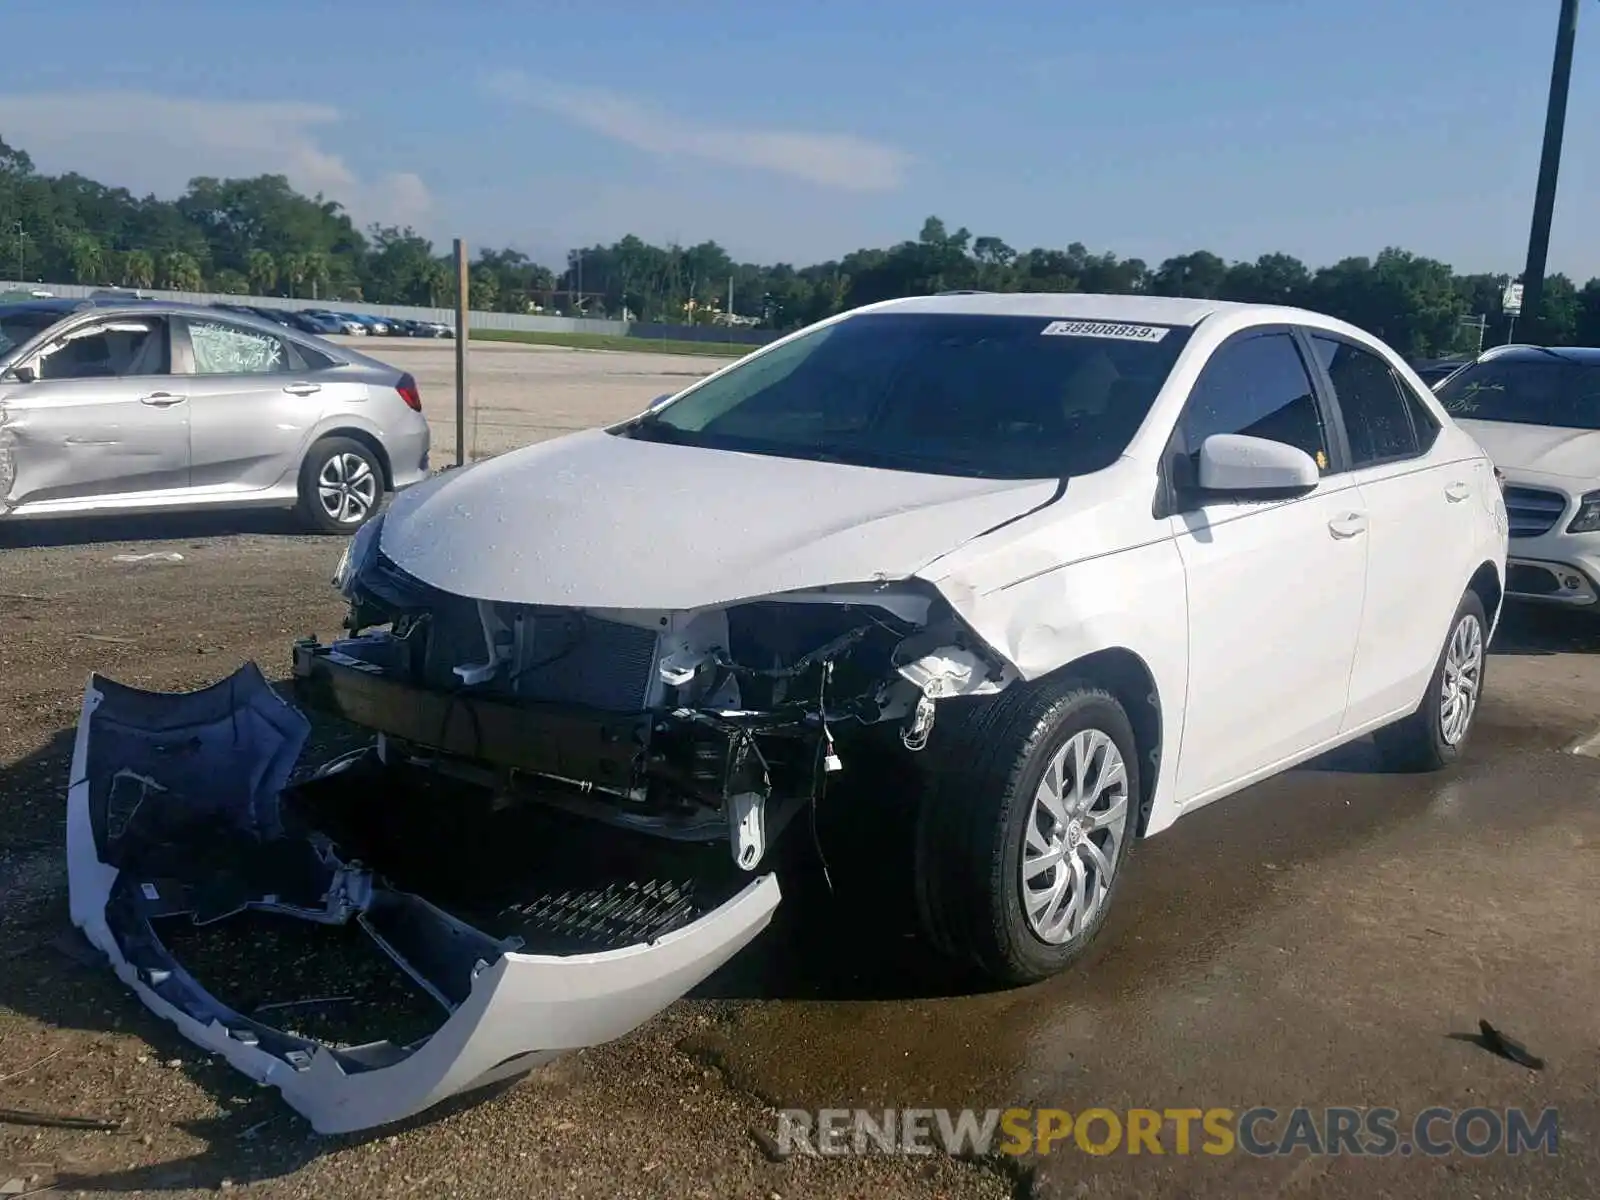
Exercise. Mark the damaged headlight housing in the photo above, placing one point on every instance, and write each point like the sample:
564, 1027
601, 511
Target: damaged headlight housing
358, 552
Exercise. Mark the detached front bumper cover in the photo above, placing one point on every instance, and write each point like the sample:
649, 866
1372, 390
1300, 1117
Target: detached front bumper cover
174, 811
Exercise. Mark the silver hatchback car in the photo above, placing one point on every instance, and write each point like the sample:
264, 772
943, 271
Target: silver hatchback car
141, 406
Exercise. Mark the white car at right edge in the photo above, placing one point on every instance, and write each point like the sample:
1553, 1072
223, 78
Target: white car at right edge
1536, 410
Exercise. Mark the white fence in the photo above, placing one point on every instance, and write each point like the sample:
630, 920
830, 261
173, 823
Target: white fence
479, 320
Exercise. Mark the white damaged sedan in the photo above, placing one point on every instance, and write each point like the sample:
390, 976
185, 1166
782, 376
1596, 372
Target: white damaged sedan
1082, 564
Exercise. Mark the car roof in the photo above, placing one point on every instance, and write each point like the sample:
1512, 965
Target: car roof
1154, 310
1587, 355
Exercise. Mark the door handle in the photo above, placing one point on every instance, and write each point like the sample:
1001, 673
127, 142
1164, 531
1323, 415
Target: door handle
162, 399
303, 389
1457, 492
1348, 525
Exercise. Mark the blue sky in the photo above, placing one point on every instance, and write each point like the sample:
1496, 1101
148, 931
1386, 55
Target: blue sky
798, 132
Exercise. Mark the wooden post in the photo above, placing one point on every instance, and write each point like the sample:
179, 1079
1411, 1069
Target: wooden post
462, 281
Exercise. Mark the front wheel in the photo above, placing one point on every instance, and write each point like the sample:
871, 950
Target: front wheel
1025, 826
1432, 736
341, 486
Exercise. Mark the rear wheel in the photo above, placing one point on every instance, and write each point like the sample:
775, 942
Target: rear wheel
1025, 827
341, 486
1432, 737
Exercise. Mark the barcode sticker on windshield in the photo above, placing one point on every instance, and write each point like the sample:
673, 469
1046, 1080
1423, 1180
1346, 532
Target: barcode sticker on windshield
1104, 329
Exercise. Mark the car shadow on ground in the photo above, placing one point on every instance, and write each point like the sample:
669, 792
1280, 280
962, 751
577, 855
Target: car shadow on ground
147, 527
1533, 629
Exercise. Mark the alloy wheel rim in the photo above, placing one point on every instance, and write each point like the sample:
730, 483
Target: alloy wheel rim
1074, 831
1463, 679
347, 488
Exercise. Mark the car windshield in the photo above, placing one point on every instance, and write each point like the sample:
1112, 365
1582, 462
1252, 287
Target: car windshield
22, 325
944, 393
1543, 391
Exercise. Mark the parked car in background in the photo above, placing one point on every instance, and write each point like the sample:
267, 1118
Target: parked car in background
342, 322
322, 324
1435, 371
1536, 410
155, 407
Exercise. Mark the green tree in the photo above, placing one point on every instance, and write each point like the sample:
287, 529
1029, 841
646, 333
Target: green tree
179, 271
138, 269
262, 271
88, 260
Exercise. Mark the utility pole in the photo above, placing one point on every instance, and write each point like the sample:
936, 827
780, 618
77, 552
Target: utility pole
21, 278
463, 280
1544, 200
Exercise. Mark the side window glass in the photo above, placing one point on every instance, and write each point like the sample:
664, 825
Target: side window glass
1377, 418
108, 350
1422, 418
221, 349
1258, 387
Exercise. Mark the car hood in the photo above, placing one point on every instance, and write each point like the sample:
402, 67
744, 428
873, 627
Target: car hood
1542, 449
593, 520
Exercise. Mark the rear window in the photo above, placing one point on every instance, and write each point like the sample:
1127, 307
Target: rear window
1542, 391
960, 394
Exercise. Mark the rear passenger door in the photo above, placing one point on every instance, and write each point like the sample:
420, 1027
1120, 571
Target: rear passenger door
254, 399
1419, 510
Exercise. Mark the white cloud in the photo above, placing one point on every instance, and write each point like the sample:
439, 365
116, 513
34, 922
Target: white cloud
832, 160
153, 143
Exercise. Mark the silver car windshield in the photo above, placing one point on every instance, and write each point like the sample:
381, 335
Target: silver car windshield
19, 326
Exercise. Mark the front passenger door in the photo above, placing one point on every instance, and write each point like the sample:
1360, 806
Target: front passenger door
104, 418
1274, 586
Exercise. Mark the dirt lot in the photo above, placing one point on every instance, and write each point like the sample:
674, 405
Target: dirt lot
1314, 941
522, 393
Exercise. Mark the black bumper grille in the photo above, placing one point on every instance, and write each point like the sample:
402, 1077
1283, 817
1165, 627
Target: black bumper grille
1533, 511
620, 914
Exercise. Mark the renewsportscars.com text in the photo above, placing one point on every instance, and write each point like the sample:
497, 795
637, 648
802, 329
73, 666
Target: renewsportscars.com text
1260, 1131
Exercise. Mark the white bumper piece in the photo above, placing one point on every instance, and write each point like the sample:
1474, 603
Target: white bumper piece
153, 774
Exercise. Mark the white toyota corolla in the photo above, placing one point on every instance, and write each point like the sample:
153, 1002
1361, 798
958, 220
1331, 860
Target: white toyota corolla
1081, 563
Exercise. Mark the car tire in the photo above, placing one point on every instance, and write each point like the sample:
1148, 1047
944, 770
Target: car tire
1432, 736
996, 763
341, 486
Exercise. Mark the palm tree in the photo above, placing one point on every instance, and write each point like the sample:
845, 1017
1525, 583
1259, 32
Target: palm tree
87, 259
262, 270
138, 269
293, 268
179, 271
316, 269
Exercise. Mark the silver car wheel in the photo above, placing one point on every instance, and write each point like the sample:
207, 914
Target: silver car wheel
1463, 676
347, 487
1072, 838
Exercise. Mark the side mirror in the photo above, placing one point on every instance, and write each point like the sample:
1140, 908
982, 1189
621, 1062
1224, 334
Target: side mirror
24, 374
1233, 464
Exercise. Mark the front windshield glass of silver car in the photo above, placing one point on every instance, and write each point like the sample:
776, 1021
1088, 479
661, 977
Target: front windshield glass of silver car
948, 393
1526, 391
19, 325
